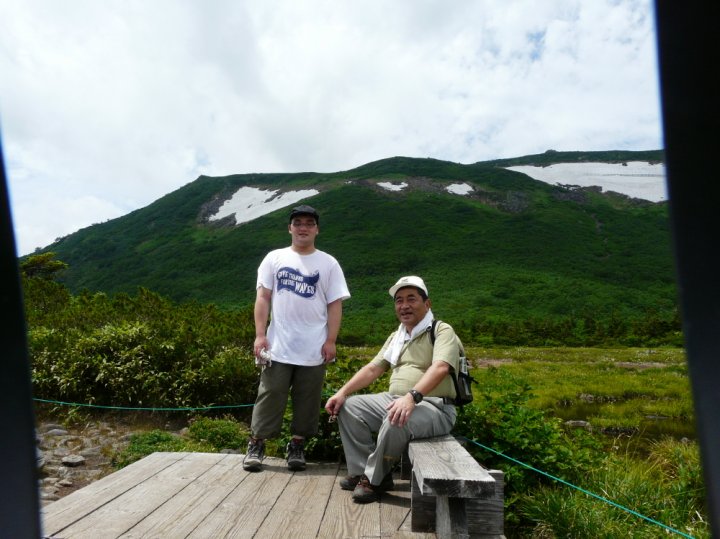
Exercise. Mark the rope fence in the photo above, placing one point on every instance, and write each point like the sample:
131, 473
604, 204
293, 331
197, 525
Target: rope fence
148, 409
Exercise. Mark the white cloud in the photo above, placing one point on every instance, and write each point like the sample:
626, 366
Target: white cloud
124, 100
64, 214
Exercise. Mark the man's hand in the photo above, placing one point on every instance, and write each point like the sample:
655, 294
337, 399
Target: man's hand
328, 351
361, 379
261, 343
334, 403
400, 409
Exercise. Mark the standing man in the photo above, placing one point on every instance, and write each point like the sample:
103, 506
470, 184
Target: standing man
418, 404
302, 288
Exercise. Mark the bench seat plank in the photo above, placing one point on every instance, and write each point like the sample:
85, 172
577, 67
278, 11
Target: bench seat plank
442, 467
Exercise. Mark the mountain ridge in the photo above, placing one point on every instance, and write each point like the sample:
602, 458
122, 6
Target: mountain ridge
516, 248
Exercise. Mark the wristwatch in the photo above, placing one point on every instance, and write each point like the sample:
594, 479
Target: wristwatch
416, 395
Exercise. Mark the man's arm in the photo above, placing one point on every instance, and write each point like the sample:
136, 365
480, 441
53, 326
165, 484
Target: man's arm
400, 409
262, 311
334, 311
361, 379
433, 376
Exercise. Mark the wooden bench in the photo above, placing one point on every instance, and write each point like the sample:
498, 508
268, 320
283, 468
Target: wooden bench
452, 494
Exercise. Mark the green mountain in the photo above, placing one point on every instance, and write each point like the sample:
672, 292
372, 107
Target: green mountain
514, 249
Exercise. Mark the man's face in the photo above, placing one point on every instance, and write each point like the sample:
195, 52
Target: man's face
303, 230
410, 307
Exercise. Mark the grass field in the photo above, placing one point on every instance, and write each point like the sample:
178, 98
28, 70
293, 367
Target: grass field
622, 390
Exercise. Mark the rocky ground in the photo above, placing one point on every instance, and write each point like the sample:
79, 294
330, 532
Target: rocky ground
71, 457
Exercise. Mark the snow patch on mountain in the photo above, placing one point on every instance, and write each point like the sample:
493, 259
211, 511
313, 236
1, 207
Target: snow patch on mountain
637, 179
393, 186
249, 203
459, 189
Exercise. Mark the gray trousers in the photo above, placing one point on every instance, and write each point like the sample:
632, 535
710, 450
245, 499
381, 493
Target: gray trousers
363, 415
303, 384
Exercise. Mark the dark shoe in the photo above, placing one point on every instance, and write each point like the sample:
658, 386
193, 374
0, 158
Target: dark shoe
351, 481
296, 455
254, 456
365, 492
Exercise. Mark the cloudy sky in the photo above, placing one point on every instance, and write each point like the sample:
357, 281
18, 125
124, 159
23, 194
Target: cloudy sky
107, 105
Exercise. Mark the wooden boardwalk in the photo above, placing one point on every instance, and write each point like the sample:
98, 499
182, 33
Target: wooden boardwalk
209, 496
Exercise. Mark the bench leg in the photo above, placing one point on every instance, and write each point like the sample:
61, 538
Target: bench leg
486, 517
405, 466
422, 509
451, 521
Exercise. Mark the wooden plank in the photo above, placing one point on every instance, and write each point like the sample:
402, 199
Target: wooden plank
241, 513
168, 495
344, 518
407, 534
299, 510
182, 514
125, 511
73, 507
443, 467
395, 508
388, 518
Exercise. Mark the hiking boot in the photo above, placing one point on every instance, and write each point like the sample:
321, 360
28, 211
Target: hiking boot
351, 481
296, 455
254, 456
365, 492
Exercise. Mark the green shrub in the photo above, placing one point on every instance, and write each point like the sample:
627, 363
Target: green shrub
207, 435
229, 377
139, 351
220, 434
143, 444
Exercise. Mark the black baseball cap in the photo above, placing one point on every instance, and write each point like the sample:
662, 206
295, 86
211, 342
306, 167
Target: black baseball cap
305, 210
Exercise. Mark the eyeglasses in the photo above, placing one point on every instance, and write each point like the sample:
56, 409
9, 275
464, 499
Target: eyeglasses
304, 224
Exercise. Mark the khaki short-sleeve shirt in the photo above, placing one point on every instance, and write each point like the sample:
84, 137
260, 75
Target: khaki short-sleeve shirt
417, 356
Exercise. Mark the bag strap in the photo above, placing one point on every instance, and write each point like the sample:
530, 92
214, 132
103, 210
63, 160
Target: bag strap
431, 329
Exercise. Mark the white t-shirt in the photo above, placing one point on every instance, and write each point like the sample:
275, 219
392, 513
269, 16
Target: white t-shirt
302, 287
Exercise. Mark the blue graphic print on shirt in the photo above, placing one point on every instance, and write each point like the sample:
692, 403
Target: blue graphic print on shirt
297, 283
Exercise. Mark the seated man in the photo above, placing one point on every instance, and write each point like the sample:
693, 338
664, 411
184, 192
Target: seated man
419, 403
